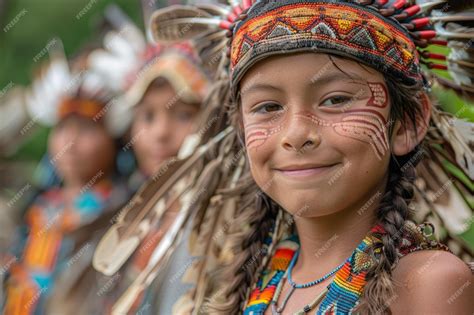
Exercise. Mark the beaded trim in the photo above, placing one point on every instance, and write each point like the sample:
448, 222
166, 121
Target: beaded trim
262, 295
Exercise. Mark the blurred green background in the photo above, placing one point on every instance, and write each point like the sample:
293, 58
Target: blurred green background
26, 28
43, 20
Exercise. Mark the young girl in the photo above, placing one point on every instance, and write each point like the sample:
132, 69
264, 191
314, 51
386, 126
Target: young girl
332, 105
82, 150
161, 88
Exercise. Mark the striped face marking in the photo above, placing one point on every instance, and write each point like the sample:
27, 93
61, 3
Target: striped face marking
257, 135
366, 124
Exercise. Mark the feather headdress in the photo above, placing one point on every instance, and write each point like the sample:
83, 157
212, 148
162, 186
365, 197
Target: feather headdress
128, 64
412, 26
62, 88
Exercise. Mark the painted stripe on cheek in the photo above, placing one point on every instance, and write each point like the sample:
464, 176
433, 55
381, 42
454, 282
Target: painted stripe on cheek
368, 126
256, 136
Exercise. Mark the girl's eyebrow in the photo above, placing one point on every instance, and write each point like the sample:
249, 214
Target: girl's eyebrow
258, 87
319, 80
315, 80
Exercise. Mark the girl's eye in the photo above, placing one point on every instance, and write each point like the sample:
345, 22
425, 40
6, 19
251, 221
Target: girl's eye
335, 100
267, 108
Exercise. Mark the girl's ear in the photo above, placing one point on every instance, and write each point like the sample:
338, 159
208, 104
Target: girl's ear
405, 137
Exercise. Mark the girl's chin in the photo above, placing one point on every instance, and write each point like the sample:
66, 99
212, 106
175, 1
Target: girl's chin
310, 207
310, 213
311, 195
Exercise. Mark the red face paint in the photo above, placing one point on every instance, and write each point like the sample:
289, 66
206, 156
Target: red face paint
258, 135
365, 125
379, 96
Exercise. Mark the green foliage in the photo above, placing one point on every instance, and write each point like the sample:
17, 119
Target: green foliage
26, 29
29, 25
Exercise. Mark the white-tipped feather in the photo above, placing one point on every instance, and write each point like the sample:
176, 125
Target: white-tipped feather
114, 68
47, 91
119, 46
182, 23
460, 136
122, 52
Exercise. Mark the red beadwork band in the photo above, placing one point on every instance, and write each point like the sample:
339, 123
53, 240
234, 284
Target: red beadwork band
346, 29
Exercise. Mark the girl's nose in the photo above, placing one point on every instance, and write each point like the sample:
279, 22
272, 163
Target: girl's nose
300, 134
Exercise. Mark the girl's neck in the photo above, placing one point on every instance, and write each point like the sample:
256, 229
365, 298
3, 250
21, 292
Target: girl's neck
327, 241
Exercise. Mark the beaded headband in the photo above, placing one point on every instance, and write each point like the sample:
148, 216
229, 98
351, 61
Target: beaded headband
391, 36
90, 109
323, 26
176, 63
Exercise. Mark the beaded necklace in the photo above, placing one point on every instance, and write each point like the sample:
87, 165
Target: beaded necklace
267, 284
278, 310
342, 293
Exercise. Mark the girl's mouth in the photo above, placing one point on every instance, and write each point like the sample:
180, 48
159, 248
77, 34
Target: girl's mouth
304, 170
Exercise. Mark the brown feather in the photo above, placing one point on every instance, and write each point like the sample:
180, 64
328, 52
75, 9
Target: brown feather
178, 22
126, 235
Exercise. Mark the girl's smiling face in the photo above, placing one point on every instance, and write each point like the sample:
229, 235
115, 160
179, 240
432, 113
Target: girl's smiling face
316, 132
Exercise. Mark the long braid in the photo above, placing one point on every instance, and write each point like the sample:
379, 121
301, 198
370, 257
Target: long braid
245, 239
247, 245
392, 213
